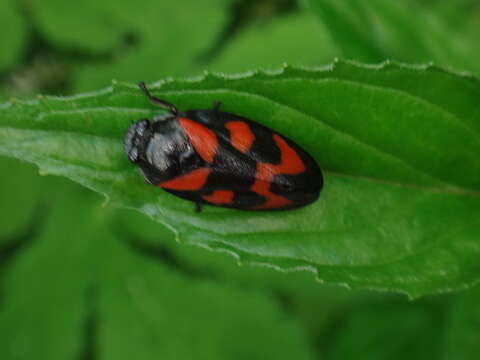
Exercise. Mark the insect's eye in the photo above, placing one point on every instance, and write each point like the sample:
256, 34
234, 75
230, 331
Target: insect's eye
133, 154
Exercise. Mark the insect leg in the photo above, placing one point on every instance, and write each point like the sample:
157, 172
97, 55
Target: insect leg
216, 105
198, 207
156, 101
163, 117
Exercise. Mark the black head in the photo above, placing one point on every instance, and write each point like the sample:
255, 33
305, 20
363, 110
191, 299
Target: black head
137, 135
160, 149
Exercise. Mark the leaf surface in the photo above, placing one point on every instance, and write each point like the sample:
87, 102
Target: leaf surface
295, 39
13, 40
440, 327
78, 280
399, 146
372, 31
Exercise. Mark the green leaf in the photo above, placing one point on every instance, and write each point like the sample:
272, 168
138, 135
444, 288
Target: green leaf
64, 23
313, 305
26, 202
133, 42
459, 14
12, 39
78, 281
463, 332
376, 30
399, 146
396, 330
441, 327
296, 39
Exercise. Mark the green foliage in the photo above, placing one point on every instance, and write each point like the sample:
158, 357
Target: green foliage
12, 38
271, 45
154, 52
395, 331
93, 279
461, 340
376, 30
398, 144
433, 329
393, 159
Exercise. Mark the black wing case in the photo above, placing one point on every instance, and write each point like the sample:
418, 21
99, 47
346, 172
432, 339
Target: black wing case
246, 155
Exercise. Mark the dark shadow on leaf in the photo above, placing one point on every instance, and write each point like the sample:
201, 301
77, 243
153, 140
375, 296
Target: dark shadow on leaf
91, 325
285, 301
11, 247
160, 253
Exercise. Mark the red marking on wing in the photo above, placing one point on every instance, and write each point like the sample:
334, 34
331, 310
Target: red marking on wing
219, 197
204, 140
194, 180
290, 164
273, 201
241, 136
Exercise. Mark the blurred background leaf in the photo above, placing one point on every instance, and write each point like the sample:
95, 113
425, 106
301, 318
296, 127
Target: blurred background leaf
12, 41
390, 330
372, 31
270, 45
87, 285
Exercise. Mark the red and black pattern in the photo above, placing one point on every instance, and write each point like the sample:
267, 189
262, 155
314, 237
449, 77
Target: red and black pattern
222, 159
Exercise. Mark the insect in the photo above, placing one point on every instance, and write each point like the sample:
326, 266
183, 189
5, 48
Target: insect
221, 159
